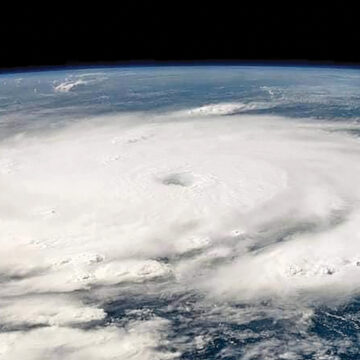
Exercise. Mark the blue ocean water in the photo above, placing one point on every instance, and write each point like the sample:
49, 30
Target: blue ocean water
28, 99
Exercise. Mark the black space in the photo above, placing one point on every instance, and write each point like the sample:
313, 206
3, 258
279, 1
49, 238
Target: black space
134, 32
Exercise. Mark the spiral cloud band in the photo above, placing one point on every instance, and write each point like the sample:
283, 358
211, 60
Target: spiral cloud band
239, 209
201, 232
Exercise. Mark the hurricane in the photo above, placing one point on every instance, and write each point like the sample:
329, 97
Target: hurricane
180, 213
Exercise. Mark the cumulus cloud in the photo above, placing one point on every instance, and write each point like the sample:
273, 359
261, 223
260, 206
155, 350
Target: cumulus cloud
137, 341
47, 310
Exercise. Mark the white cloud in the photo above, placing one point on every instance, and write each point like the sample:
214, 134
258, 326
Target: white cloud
67, 86
47, 310
138, 341
235, 208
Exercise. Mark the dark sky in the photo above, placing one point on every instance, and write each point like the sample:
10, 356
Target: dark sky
178, 31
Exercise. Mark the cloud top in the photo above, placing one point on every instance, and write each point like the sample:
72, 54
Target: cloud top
228, 209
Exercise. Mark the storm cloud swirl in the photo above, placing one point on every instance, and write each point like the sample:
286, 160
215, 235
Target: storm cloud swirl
201, 233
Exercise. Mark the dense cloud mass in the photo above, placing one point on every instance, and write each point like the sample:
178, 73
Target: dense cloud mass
149, 235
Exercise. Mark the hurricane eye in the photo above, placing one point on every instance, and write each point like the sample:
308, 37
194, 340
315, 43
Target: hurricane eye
179, 179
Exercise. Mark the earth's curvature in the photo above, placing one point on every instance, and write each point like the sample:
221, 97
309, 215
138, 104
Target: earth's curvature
180, 213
